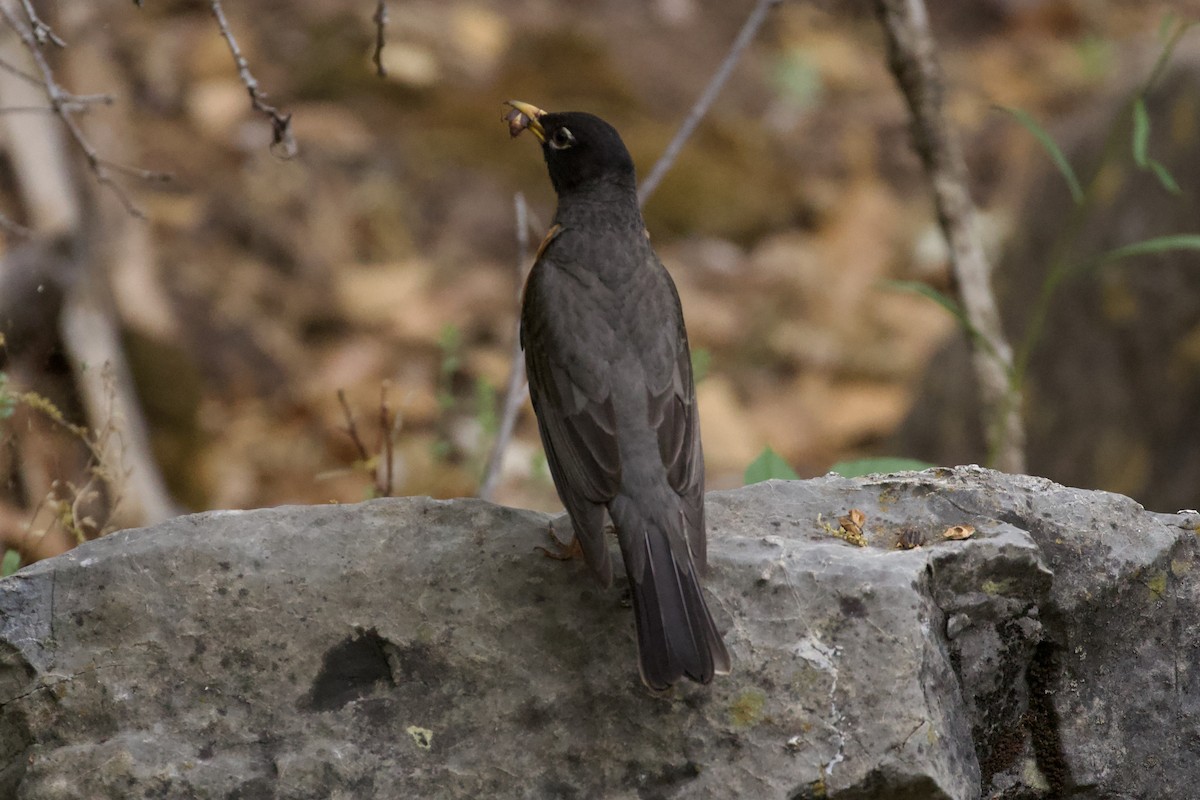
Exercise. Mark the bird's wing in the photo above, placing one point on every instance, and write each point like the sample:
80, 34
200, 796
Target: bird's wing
672, 404
574, 406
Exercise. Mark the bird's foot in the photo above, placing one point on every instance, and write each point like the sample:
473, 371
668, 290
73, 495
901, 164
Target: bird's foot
558, 550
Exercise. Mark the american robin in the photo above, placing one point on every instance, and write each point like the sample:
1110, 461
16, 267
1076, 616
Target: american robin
610, 376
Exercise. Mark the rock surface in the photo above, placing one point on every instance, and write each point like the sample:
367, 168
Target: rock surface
420, 648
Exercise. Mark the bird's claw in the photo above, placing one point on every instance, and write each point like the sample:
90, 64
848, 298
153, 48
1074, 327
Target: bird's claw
559, 550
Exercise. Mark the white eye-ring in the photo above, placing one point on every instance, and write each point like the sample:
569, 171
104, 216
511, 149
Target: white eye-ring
562, 139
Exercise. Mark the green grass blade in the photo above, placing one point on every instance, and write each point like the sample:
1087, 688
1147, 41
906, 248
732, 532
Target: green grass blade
925, 290
1141, 131
1164, 27
1052, 149
1159, 244
1164, 177
1170, 39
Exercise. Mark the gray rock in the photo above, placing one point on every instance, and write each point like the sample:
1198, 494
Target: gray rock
421, 648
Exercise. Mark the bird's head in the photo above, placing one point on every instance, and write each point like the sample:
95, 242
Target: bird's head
580, 149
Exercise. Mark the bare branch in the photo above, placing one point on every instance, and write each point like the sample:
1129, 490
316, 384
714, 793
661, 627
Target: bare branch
383, 471
20, 73
381, 20
73, 104
514, 394
746, 35
13, 227
385, 486
283, 143
41, 31
913, 61
352, 428
64, 103
82, 102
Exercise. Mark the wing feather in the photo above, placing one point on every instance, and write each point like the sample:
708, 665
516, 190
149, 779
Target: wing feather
674, 417
575, 413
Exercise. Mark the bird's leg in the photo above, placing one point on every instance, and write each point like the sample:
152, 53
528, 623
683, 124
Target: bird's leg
559, 550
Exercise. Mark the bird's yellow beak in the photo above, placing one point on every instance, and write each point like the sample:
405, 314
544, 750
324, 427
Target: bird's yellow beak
523, 116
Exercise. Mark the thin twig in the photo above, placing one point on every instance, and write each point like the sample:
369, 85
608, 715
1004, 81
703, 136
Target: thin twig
81, 102
385, 432
74, 106
20, 73
41, 31
746, 35
15, 228
283, 143
352, 428
384, 474
64, 104
913, 61
381, 20
514, 393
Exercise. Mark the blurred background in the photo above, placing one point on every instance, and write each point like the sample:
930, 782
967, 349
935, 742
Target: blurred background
382, 259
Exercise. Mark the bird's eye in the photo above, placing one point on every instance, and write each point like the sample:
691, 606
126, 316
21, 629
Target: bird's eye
562, 139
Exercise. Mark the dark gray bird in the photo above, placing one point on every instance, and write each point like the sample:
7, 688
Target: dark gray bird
610, 376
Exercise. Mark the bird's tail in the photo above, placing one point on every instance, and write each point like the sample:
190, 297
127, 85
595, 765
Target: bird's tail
676, 634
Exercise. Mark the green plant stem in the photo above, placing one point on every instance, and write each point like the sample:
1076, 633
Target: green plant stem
1062, 265
1062, 262
1164, 57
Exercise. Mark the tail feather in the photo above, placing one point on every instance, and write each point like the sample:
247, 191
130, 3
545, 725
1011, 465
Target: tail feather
677, 637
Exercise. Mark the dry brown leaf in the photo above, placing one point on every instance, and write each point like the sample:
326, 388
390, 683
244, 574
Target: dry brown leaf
853, 522
851, 529
959, 532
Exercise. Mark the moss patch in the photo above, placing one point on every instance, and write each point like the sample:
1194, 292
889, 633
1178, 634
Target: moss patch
747, 709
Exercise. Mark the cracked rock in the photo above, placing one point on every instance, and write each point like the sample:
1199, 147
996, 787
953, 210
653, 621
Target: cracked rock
419, 648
